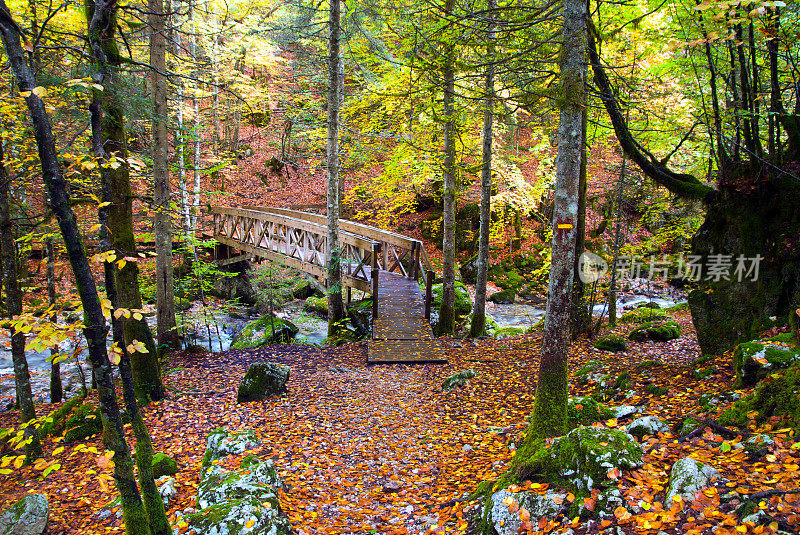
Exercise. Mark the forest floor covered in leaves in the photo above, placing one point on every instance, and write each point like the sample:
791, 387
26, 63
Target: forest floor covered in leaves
382, 449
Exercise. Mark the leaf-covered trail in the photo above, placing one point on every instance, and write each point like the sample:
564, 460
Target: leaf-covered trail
382, 449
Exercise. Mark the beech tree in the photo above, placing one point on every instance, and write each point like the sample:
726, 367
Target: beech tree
550, 408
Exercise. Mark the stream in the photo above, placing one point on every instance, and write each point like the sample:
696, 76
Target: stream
215, 330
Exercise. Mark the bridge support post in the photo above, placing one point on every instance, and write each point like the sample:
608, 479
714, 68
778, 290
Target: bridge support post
428, 293
376, 250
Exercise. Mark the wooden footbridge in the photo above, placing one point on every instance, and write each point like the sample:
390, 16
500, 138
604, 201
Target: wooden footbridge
386, 265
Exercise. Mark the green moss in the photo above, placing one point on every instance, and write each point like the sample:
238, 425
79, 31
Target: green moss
509, 332
784, 338
703, 373
755, 360
680, 307
689, 424
458, 380
641, 315
586, 411
777, 395
57, 420
577, 461
163, 465
84, 422
264, 331
612, 342
660, 332
263, 380
503, 296
316, 304
655, 390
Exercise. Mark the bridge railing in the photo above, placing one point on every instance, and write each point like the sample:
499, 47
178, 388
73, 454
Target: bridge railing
299, 239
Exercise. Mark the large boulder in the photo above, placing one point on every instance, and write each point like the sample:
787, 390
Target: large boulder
582, 459
503, 502
586, 411
264, 331
642, 315
263, 380
235, 284
84, 422
27, 516
689, 476
316, 304
463, 301
756, 360
237, 502
469, 270
503, 297
612, 342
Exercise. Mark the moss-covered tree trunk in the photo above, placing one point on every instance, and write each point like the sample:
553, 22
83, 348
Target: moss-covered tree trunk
111, 151
447, 315
550, 408
13, 302
133, 513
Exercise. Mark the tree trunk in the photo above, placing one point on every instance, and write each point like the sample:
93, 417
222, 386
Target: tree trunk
95, 327
56, 388
215, 91
22, 379
550, 408
162, 223
335, 305
117, 192
447, 317
478, 324
581, 316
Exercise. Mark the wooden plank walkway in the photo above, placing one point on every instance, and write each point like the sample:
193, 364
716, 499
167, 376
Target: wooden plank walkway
401, 333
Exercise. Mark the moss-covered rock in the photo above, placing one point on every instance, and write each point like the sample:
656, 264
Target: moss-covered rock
579, 460
264, 331
463, 301
509, 332
612, 342
84, 422
316, 304
302, 289
503, 297
646, 426
238, 517
360, 314
659, 332
164, 465
649, 304
263, 380
27, 516
221, 443
586, 411
689, 476
641, 315
259, 479
777, 395
548, 505
755, 360
458, 380
689, 424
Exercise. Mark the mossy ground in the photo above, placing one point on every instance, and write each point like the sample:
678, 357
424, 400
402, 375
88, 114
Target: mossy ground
777, 396
641, 315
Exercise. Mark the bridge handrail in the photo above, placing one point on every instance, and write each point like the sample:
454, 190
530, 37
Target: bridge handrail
360, 229
303, 224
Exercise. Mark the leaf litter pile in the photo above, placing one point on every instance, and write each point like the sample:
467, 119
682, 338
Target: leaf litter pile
383, 449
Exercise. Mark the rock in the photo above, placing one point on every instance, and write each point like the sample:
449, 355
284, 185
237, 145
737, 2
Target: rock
316, 304
469, 270
689, 425
758, 442
84, 422
466, 448
580, 460
586, 411
623, 411
263, 380
166, 488
647, 425
612, 342
360, 314
239, 286
163, 465
508, 332
756, 360
259, 480
687, 477
503, 297
241, 516
264, 331
27, 516
777, 396
659, 332
237, 502
391, 486
463, 301
303, 289
544, 506
220, 443
458, 379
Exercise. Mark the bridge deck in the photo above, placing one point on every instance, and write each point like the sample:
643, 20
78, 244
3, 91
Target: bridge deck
401, 333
